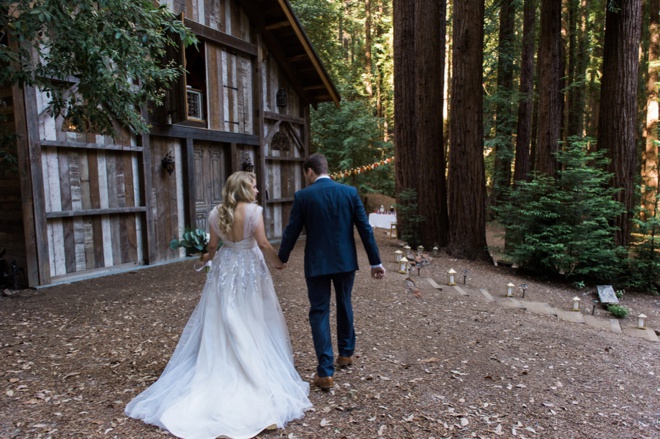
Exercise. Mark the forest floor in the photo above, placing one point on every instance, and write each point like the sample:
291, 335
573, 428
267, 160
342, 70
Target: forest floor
435, 364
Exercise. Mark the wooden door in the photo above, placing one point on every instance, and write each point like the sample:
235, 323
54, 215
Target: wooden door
211, 164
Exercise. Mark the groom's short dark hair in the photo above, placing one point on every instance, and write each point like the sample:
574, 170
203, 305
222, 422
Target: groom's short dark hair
317, 162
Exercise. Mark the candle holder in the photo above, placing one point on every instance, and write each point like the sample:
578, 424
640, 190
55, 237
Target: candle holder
404, 265
641, 321
576, 303
451, 274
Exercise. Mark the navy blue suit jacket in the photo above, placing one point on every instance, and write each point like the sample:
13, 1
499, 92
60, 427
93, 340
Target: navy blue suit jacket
328, 210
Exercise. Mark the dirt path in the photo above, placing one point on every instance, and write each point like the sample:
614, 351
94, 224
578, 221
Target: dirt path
439, 365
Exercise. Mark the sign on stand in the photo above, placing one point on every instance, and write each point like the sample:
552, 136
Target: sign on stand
606, 294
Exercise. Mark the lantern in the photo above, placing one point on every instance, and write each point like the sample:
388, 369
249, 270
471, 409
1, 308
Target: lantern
451, 275
641, 321
398, 254
576, 303
509, 289
403, 265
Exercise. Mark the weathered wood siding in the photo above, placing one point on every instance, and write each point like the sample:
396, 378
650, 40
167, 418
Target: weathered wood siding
92, 194
285, 145
12, 236
167, 199
229, 91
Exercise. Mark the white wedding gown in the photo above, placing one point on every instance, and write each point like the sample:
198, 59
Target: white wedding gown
231, 374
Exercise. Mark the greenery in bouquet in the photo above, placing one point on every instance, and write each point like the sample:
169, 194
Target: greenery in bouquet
193, 240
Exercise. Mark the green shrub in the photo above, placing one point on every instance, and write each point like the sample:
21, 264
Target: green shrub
563, 225
408, 218
644, 261
618, 311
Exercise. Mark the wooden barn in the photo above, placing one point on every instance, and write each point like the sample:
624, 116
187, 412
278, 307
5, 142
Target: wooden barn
83, 204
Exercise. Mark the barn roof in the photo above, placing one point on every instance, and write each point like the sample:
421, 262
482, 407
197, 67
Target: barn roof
292, 47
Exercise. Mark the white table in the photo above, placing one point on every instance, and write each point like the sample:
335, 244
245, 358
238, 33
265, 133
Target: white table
381, 221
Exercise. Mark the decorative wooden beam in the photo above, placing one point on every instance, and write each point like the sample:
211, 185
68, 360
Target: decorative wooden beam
221, 38
285, 159
284, 118
84, 145
278, 25
95, 212
183, 131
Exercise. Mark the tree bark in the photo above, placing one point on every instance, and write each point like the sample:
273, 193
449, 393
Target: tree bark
550, 98
405, 137
618, 109
650, 154
368, 83
504, 120
526, 89
467, 181
429, 80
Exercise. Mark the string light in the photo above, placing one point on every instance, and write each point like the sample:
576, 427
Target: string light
361, 169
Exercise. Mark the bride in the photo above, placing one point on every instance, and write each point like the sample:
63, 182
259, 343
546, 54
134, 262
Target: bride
232, 373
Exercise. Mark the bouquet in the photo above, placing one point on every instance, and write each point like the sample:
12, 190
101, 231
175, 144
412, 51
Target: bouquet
194, 241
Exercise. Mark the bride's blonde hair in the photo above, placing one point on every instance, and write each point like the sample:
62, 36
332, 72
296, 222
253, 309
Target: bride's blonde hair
237, 188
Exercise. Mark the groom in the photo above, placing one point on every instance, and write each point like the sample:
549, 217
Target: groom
328, 211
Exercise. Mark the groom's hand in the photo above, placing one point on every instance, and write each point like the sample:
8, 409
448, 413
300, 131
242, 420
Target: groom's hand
378, 272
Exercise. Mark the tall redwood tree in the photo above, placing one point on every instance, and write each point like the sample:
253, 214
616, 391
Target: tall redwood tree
550, 96
526, 89
618, 105
429, 80
467, 181
405, 137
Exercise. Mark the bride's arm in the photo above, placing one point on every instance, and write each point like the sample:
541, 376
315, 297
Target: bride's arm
212, 246
262, 241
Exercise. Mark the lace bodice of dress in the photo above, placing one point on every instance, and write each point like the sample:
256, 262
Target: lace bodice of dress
251, 217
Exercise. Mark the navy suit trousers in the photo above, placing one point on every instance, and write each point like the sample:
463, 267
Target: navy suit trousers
319, 292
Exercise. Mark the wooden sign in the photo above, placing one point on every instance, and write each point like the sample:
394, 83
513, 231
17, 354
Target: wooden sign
606, 294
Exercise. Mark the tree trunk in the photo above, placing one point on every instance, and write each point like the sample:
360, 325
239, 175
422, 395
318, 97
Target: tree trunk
504, 115
368, 68
550, 98
650, 155
467, 180
429, 80
525, 108
618, 106
405, 137
596, 30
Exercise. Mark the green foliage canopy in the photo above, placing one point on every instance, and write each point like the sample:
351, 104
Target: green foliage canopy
98, 61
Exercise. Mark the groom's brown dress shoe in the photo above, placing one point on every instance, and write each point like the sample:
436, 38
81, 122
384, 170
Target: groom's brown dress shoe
323, 383
344, 361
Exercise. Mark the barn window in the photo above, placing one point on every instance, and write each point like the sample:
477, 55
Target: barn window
196, 82
187, 98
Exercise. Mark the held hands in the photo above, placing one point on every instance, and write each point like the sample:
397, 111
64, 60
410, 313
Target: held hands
378, 272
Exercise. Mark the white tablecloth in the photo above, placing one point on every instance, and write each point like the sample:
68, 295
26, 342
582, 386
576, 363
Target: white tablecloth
381, 221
